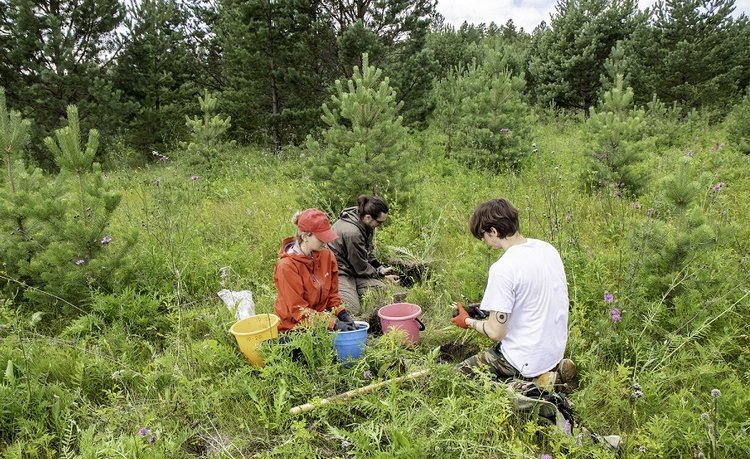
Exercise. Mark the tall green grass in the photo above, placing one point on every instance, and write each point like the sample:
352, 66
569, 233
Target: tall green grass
152, 371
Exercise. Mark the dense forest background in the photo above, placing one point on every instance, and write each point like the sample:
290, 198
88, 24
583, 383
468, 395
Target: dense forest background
135, 69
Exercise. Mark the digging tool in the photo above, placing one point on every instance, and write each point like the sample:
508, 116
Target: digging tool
354, 392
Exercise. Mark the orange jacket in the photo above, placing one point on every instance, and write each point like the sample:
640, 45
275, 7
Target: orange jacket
305, 285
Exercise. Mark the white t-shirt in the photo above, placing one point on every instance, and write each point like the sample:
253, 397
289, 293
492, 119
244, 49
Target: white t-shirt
528, 282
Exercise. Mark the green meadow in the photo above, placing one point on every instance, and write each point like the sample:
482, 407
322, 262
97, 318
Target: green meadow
149, 369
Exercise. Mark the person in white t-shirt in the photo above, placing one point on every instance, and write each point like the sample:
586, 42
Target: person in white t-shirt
526, 297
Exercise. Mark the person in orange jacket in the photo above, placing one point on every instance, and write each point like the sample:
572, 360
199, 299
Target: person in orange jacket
307, 276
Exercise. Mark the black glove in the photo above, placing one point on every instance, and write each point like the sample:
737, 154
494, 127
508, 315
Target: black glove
344, 326
345, 317
475, 312
344, 322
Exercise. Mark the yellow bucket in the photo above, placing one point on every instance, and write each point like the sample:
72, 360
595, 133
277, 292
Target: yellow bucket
252, 331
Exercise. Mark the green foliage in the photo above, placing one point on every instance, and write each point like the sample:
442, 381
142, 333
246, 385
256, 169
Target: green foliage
276, 59
155, 75
681, 233
615, 131
57, 60
738, 125
689, 53
568, 58
364, 147
481, 112
206, 132
155, 354
60, 248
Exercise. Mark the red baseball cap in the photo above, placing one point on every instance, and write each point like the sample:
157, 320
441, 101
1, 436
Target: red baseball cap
316, 221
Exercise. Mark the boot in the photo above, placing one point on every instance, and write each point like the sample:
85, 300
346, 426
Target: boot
567, 373
567, 370
546, 380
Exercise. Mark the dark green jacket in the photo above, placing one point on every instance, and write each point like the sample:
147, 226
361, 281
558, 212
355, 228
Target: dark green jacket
353, 248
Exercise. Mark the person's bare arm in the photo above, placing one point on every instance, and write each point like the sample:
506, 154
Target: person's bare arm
495, 327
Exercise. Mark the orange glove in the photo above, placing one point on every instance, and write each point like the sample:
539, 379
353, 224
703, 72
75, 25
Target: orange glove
459, 316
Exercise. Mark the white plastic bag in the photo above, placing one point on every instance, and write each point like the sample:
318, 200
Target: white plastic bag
241, 303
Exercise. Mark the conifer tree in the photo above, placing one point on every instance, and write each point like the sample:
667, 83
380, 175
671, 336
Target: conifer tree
155, 73
278, 56
363, 148
568, 57
692, 52
58, 54
15, 246
615, 130
206, 132
482, 112
77, 254
738, 125
680, 233
57, 247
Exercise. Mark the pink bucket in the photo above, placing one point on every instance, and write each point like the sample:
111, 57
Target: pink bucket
402, 316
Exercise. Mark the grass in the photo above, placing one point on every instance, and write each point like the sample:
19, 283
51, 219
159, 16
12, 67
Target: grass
157, 354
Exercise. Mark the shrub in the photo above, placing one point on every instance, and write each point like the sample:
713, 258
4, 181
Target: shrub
363, 149
481, 111
738, 126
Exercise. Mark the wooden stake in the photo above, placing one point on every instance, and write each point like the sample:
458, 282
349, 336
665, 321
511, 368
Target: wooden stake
354, 392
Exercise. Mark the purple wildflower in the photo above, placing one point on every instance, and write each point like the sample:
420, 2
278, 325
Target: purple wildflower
194, 178
568, 428
718, 186
546, 456
609, 297
367, 374
106, 240
80, 262
159, 156
144, 431
636, 206
152, 439
616, 315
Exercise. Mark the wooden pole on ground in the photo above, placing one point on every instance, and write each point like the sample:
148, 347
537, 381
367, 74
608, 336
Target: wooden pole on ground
354, 392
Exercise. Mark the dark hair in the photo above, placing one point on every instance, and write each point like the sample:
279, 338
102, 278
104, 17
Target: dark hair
372, 206
495, 213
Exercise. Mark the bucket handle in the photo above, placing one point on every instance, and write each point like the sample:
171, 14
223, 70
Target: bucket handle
421, 325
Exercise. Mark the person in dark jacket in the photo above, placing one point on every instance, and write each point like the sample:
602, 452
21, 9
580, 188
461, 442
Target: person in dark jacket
306, 275
359, 270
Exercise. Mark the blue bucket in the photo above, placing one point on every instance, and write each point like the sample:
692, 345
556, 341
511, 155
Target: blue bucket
350, 345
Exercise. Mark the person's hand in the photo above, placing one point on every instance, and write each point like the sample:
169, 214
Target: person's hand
393, 278
344, 322
459, 316
475, 312
383, 270
344, 326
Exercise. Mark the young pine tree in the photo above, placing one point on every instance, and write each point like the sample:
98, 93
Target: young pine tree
363, 150
680, 233
738, 126
615, 129
481, 111
206, 132
19, 190
74, 252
